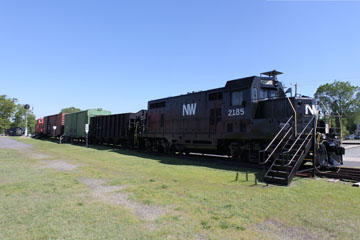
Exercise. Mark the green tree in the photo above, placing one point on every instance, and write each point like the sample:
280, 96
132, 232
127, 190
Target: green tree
70, 110
18, 119
31, 123
340, 98
7, 110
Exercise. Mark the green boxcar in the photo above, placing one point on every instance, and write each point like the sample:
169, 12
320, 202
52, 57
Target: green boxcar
75, 122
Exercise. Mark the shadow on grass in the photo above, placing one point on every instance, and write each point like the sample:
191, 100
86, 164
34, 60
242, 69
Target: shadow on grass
190, 160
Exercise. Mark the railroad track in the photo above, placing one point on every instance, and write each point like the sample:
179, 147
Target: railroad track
345, 173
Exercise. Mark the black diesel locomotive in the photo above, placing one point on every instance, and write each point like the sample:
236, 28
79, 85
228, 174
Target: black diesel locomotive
238, 119
249, 119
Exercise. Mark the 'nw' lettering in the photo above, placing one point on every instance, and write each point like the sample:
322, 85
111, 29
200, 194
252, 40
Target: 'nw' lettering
189, 109
311, 109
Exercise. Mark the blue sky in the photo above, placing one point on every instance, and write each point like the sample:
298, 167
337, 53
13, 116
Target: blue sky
118, 55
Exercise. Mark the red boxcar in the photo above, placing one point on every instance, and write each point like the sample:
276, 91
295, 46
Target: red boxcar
39, 126
51, 121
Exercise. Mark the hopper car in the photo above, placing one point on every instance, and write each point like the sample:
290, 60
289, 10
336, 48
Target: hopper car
123, 129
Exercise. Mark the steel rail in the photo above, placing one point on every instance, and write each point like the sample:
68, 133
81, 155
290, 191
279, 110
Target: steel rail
342, 173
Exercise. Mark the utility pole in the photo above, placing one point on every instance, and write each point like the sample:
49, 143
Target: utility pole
26, 106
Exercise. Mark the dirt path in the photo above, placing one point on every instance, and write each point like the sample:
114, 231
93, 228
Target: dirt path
8, 143
26, 149
60, 165
113, 195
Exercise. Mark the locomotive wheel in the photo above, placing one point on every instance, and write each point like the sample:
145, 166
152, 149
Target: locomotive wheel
160, 149
234, 152
148, 146
244, 156
321, 157
172, 150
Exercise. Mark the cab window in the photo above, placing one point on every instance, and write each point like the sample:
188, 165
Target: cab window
236, 98
265, 94
255, 94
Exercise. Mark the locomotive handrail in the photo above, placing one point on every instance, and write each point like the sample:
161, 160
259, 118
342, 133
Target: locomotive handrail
286, 124
268, 158
292, 106
302, 132
288, 164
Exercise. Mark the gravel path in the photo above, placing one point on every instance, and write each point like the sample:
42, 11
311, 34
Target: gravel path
26, 149
273, 229
110, 194
6, 142
57, 164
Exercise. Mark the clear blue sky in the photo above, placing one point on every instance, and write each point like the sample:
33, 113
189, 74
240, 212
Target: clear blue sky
117, 54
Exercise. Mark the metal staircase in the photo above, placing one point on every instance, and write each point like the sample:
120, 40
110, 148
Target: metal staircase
285, 154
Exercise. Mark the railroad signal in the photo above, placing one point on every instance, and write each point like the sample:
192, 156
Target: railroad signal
27, 107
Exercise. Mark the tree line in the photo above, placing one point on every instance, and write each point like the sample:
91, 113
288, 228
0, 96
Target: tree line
12, 114
338, 99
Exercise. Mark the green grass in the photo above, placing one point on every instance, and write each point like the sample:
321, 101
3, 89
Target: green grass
203, 200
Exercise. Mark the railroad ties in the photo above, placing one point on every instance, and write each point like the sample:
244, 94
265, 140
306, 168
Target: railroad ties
343, 173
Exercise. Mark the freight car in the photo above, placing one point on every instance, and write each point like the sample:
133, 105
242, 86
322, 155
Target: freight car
56, 120
115, 129
39, 127
75, 123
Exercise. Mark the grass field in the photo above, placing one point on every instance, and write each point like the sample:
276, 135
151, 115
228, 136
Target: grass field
55, 191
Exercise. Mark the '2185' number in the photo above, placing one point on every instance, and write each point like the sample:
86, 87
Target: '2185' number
236, 112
